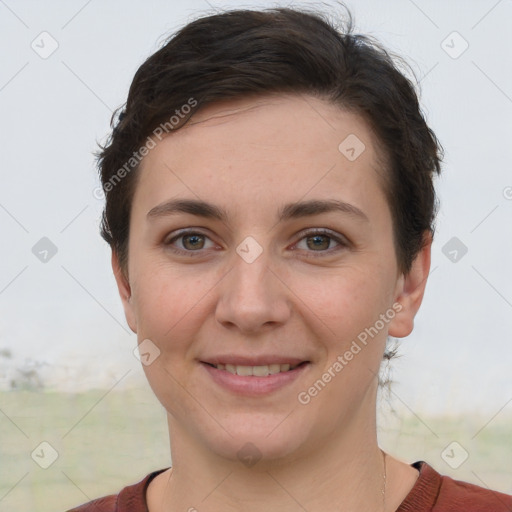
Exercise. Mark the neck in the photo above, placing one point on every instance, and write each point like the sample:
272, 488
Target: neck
344, 471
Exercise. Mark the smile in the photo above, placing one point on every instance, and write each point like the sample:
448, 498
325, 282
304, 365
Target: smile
254, 380
256, 371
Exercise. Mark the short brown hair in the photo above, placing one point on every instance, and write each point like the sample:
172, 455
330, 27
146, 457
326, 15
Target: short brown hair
248, 52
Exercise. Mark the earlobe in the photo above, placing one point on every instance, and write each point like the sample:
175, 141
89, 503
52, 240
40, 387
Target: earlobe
410, 291
125, 292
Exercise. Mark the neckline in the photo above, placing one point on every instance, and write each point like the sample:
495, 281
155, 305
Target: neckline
424, 493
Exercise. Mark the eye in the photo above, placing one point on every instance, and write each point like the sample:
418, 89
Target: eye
321, 241
188, 242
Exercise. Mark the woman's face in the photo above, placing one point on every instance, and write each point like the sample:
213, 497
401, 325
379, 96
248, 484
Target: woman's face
282, 277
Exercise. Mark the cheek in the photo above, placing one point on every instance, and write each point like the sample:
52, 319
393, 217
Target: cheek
169, 313
170, 304
344, 303
156, 304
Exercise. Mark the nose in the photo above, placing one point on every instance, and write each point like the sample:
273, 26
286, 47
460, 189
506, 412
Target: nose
252, 296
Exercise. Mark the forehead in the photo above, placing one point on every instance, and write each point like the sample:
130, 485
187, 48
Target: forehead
283, 120
265, 147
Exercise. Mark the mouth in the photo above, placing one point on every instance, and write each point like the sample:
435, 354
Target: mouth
256, 371
255, 380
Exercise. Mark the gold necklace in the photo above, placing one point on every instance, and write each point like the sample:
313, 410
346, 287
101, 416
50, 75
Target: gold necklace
384, 475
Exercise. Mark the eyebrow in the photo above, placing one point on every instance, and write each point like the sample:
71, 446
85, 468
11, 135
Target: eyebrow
287, 212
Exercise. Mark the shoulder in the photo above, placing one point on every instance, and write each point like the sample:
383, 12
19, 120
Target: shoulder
470, 497
437, 493
130, 499
105, 504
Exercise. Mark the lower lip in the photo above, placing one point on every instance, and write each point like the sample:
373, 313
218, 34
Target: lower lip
251, 385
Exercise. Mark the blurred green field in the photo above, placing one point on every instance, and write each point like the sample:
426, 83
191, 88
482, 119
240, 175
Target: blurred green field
106, 441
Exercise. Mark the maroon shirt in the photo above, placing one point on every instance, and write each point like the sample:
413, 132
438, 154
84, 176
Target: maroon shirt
432, 492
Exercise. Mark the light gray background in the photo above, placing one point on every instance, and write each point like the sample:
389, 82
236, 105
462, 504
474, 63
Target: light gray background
64, 317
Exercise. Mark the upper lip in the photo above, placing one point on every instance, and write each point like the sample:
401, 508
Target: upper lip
253, 361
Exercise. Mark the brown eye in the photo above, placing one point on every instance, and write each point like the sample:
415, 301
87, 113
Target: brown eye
188, 242
321, 242
318, 242
191, 242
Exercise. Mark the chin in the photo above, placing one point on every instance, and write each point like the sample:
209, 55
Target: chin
258, 439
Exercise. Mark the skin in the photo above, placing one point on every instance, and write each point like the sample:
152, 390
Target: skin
251, 157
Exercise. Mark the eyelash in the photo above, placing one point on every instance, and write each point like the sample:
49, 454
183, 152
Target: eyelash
308, 234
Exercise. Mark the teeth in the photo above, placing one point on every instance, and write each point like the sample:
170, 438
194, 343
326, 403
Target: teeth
274, 368
260, 371
257, 371
244, 371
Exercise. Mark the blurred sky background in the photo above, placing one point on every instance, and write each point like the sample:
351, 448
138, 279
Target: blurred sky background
64, 317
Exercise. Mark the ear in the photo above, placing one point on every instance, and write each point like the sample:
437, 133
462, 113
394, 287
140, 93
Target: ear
125, 292
410, 290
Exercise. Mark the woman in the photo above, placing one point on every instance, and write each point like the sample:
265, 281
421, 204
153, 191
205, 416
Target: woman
270, 207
